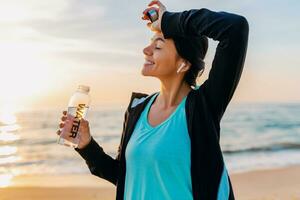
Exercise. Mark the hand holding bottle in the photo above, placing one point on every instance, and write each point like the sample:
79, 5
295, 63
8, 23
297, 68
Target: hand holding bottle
75, 130
155, 25
84, 129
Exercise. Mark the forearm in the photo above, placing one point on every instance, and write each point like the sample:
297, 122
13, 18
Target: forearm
197, 22
99, 163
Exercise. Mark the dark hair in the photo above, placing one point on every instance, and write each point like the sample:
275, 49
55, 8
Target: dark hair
193, 73
193, 49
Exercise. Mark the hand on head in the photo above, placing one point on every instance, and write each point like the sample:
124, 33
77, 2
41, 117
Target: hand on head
156, 25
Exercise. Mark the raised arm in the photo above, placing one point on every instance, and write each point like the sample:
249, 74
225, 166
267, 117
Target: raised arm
100, 164
231, 30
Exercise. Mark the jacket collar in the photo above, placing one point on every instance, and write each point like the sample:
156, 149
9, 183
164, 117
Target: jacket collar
138, 97
138, 102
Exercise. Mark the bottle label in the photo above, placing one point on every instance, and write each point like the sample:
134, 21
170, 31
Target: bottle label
76, 122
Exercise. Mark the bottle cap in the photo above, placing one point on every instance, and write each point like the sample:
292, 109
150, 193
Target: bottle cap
152, 14
84, 88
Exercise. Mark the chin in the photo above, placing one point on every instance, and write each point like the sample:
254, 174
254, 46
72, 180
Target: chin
145, 72
148, 70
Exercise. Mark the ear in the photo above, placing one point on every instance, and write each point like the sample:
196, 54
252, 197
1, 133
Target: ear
187, 66
181, 60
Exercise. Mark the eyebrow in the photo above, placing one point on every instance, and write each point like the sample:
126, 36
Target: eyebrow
158, 38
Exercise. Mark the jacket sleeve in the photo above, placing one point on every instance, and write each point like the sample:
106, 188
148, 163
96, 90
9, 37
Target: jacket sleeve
231, 30
100, 164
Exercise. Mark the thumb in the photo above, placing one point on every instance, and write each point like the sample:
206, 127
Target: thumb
84, 122
155, 25
149, 24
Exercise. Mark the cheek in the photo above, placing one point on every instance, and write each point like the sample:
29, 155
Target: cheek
164, 62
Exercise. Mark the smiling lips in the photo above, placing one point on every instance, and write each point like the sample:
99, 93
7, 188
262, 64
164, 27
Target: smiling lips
148, 62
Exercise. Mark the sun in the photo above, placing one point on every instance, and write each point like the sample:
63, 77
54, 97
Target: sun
8, 118
24, 75
7, 114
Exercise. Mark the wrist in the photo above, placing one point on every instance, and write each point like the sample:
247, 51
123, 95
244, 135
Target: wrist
84, 146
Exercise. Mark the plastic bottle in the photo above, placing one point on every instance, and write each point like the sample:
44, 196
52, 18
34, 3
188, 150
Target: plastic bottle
78, 107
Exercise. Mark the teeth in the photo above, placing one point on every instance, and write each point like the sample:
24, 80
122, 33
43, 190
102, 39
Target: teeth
148, 62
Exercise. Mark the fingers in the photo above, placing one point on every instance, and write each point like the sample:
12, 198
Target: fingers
61, 125
66, 116
145, 17
152, 26
63, 118
147, 9
84, 126
84, 122
153, 2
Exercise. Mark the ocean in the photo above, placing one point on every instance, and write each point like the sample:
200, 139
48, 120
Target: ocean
253, 136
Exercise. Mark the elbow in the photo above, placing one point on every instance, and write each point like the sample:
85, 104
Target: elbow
109, 173
95, 172
99, 174
240, 29
241, 25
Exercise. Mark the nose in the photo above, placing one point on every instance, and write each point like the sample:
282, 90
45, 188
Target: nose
147, 50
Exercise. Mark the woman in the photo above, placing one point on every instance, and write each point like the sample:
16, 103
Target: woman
170, 146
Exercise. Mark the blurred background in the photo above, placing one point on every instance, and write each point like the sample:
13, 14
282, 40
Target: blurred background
48, 48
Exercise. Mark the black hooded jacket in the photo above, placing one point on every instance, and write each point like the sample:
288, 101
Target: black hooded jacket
204, 106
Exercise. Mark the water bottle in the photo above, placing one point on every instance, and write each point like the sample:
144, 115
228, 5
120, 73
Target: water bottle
78, 107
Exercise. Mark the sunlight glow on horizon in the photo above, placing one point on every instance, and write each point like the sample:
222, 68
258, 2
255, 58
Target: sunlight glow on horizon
24, 73
5, 180
8, 125
7, 150
7, 118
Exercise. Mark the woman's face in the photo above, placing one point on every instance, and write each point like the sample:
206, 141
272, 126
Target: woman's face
162, 55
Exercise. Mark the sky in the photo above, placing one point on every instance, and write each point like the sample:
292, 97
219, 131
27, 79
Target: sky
48, 48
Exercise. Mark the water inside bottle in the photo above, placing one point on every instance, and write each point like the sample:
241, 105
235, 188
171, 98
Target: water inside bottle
81, 108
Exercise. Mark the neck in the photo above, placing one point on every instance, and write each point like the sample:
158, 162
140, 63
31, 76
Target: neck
172, 93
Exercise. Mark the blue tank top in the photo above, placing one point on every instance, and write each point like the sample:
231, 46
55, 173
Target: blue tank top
158, 164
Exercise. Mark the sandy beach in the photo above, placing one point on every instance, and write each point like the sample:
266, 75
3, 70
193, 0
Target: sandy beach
271, 184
